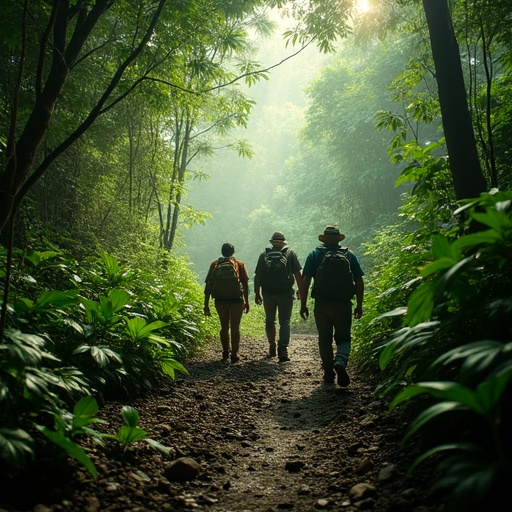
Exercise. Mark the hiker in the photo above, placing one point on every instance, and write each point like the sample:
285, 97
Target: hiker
228, 283
337, 276
278, 268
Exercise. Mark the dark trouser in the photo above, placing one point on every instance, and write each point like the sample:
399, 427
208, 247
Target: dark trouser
230, 316
282, 304
333, 319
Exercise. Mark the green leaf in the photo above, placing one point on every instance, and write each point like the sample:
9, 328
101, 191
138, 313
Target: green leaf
118, 299
400, 311
469, 447
86, 407
490, 391
139, 329
130, 416
441, 248
128, 435
444, 390
421, 303
170, 366
15, 446
57, 299
432, 412
477, 239
158, 446
386, 355
37, 257
71, 449
437, 266
111, 264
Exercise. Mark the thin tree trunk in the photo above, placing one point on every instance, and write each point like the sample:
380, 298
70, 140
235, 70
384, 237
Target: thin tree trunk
468, 178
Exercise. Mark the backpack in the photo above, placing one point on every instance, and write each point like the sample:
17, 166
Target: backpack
225, 281
276, 277
334, 280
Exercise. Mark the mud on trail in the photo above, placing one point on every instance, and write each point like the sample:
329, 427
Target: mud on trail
254, 436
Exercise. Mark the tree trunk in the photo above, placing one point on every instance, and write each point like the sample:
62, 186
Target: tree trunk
468, 178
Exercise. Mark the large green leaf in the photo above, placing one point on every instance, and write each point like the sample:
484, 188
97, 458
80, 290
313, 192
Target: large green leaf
431, 413
71, 448
139, 329
15, 446
421, 303
57, 299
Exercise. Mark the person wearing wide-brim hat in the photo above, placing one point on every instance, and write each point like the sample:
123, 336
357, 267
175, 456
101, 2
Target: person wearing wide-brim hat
333, 309
277, 270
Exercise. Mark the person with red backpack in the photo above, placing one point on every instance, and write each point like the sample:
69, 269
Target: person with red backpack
227, 282
278, 268
338, 277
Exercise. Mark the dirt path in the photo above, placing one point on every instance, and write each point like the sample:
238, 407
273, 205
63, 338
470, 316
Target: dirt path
255, 436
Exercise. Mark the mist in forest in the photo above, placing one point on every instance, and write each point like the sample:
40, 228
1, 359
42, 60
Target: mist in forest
239, 186
249, 199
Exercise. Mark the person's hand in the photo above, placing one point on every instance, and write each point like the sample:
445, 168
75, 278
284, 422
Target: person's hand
358, 312
206, 311
258, 299
246, 306
304, 312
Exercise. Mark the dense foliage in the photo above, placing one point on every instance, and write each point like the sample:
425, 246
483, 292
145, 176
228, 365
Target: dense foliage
110, 110
91, 327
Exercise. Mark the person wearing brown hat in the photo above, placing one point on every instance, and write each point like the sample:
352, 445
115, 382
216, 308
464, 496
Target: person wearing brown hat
333, 307
277, 270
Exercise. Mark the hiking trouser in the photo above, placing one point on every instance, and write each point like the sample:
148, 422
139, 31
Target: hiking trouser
282, 304
333, 320
230, 315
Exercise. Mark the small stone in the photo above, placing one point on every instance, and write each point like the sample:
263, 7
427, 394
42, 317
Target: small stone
365, 504
362, 491
364, 466
183, 469
387, 473
294, 466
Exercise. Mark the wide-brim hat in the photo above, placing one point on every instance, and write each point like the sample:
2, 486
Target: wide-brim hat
331, 234
278, 238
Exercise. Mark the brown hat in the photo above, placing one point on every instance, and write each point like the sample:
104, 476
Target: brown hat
331, 235
278, 238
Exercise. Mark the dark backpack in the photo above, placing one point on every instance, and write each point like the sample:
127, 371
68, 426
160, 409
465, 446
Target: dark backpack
225, 281
334, 280
276, 276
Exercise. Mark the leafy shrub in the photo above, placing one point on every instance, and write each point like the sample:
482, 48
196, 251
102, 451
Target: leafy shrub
458, 333
82, 328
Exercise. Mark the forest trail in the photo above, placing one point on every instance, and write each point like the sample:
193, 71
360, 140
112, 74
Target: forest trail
255, 436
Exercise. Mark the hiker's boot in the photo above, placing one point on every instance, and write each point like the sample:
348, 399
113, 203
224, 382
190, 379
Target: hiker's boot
341, 372
234, 358
225, 355
272, 351
283, 355
329, 377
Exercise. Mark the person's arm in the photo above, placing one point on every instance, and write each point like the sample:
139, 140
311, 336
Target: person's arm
358, 310
207, 291
298, 280
304, 289
244, 279
257, 290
